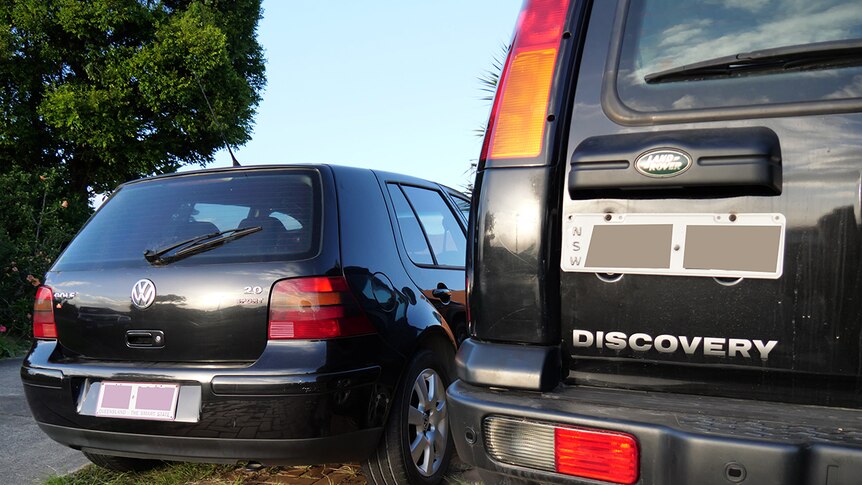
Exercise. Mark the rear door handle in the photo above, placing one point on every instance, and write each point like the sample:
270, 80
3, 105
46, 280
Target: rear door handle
145, 339
708, 163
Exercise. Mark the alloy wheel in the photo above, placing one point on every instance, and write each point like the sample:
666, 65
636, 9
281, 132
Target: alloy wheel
428, 423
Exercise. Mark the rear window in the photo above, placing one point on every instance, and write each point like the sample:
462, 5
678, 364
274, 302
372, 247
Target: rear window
156, 214
663, 34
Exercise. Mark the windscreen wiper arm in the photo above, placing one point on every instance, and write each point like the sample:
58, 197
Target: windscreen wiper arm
821, 55
197, 245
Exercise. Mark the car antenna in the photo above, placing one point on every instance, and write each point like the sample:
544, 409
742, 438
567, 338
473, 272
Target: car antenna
221, 131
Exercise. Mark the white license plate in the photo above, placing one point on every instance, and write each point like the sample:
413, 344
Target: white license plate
717, 245
138, 400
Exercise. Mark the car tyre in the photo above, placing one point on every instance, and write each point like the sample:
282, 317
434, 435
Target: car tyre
416, 445
122, 464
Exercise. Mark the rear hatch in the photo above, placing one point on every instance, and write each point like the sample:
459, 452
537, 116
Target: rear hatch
208, 305
711, 218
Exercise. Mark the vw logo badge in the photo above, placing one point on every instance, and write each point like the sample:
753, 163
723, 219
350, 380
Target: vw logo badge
143, 293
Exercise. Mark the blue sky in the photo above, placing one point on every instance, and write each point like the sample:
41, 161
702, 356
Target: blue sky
387, 84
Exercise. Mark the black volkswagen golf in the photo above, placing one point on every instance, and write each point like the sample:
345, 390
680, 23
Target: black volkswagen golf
282, 315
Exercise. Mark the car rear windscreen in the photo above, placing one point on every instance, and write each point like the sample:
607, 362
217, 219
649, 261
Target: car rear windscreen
156, 214
661, 35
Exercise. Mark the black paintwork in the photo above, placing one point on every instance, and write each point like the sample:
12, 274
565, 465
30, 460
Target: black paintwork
524, 309
807, 168
268, 401
726, 162
512, 277
813, 310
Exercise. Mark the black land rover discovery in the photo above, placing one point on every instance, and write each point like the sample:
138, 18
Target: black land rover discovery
294, 314
665, 278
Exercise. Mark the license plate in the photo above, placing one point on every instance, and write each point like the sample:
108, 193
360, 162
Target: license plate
138, 400
717, 245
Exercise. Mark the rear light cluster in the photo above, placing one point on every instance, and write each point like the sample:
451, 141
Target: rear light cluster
517, 125
44, 326
315, 308
596, 454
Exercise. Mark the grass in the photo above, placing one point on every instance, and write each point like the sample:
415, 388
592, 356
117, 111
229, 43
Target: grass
205, 474
170, 474
453, 480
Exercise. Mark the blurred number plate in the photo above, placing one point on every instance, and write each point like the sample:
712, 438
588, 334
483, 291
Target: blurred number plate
138, 400
718, 245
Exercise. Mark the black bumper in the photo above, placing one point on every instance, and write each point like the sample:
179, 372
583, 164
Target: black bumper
332, 449
683, 439
225, 413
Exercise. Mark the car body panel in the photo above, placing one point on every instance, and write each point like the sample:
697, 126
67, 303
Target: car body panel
710, 376
245, 397
812, 312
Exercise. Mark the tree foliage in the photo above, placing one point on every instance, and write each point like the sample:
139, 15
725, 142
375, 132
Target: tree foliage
488, 81
94, 93
109, 90
36, 221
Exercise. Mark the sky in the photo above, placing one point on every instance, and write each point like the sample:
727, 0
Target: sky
382, 84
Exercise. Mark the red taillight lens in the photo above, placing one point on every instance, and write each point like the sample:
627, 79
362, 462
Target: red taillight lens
517, 125
44, 326
315, 308
595, 454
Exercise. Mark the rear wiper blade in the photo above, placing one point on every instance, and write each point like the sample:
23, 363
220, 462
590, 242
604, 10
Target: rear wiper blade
197, 245
821, 55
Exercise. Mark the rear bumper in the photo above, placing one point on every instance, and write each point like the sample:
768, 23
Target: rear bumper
264, 412
683, 439
332, 449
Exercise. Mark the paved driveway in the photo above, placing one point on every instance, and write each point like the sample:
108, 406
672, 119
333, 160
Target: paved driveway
27, 455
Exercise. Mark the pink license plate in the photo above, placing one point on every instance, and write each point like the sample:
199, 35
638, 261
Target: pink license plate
138, 400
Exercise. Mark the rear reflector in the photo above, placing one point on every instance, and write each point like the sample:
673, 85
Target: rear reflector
517, 125
44, 326
596, 454
315, 308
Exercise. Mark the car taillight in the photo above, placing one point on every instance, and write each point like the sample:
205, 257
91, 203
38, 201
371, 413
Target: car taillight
596, 454
315, 308
44, 326
517, 125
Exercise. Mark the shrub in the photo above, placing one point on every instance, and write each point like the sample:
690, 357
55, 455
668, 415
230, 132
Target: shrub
37, 219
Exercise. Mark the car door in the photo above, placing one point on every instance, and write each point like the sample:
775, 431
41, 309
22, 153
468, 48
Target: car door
433, 248
757, 170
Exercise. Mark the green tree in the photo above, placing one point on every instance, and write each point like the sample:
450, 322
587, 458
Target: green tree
488, 81
104, 91
35, 223
94, 93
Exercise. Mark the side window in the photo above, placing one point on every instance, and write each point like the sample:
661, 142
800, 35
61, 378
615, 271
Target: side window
411, 232
440, 224
462, 204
